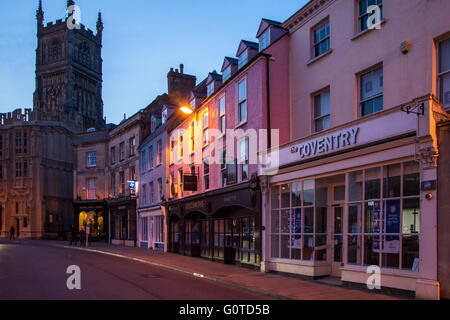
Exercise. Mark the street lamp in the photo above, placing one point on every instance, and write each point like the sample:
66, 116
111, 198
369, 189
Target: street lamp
187, 109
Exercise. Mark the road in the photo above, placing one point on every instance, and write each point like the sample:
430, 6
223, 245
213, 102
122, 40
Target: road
38, 272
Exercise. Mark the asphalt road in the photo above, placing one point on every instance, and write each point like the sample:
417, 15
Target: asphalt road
38, 272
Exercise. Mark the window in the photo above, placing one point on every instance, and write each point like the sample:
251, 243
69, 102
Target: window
444, 72
385, 226
113, 184
172, 185
192, 131
144, 195
1, 145
371, 92
91, 159
150, 157
131, 146
18, 170
321, 39
242, 103
159, 155
206, 173
25, 142
192, 104
223, 168
152, 193
242, 61
133, 174
210, 89
226, 74
205, 128
122, 151
172, 149
243, 158
160, 189
264, 40
321, 113
364, 15
113, 155
25, 169
222, 117
91, 189
18, 142
180, 182
122, 182
144, 161
180, 145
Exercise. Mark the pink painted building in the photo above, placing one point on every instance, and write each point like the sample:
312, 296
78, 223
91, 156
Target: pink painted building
214, 205
355, 192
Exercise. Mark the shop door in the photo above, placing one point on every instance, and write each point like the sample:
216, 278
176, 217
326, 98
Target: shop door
337, 248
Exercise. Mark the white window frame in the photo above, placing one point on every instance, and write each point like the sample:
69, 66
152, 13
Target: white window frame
210, 89
222, 115
243, 59
264, 40
91, 159
371, 98
226, 74
243, 160
315, 44
241, 102
321, 116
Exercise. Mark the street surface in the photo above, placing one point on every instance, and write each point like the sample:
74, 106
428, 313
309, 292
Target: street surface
37, 271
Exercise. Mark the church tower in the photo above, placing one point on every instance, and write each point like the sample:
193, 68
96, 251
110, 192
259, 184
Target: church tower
69, 71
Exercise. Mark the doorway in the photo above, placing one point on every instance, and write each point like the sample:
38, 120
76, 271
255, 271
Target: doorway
338, 240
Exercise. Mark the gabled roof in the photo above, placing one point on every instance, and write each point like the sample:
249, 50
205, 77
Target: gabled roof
200, 90
266, 23
244, 44
227, 61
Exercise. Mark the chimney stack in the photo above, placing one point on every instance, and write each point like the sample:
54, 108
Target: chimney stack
181, 68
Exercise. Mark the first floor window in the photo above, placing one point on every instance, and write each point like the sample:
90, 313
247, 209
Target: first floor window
91, 159
321, 115
91, 189
371, 91
144, 195
180, 182
122, 182
206, 173
18, 170
244, 158
113, 184
160, 190
151, 190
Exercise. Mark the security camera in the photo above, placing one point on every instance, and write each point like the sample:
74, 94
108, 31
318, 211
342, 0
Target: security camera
429, 196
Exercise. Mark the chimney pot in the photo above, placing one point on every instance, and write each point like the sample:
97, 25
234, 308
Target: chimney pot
181, 68
176, 70
171, 69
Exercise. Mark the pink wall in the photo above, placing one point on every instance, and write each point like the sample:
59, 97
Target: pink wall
255, 74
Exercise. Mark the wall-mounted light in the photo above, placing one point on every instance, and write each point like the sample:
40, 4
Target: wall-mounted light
405, 47
186, 109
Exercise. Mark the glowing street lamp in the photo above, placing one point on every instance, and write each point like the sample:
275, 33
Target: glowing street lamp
187, 109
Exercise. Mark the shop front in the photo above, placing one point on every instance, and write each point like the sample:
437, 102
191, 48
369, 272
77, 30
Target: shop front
354, 199
151, 228
122, 217
92, 214
222, 225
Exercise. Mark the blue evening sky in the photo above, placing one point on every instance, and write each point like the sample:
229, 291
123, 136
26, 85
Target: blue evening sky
142, 40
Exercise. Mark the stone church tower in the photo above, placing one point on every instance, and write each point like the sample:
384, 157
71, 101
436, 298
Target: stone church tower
69, 72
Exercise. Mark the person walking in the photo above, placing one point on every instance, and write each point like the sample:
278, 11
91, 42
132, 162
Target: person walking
73, 239
12, 233
82, 237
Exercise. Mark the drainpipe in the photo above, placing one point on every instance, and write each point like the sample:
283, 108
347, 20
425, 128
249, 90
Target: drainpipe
269, 133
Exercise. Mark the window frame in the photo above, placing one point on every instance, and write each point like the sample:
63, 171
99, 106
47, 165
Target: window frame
241, 102
90, 158
361, 16
222, 115
315, 45
442, 74
321, 117
362, 101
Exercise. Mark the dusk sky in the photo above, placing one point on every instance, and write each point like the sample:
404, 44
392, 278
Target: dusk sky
142, 40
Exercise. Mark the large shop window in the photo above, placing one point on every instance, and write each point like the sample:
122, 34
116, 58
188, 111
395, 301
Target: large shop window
384, 216
381, 227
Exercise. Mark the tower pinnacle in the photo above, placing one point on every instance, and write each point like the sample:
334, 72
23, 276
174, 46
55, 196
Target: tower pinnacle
40, 14
99, 23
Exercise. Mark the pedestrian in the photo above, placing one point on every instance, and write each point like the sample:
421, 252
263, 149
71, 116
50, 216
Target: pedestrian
82, 237
73, 239
12, 234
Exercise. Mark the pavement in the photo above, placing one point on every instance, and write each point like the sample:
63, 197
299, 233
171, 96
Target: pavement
215, 281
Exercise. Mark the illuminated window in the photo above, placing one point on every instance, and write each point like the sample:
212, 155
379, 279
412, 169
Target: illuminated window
91, 189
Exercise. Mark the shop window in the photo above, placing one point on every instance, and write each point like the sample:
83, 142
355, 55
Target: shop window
411, 179
392, 181
355, 186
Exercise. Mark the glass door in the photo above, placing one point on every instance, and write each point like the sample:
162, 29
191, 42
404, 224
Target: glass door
337, 251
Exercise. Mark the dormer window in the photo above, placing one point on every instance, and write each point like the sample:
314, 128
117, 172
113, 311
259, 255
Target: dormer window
243, 59
210, 89
226, 74
192, 104
264, 40
153, 124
